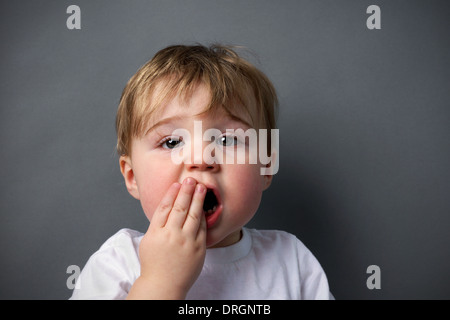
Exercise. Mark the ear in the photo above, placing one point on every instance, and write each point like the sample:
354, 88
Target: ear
128, 174
267, 181
270, 169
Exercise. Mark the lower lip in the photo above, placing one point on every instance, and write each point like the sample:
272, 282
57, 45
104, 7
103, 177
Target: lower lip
212, 219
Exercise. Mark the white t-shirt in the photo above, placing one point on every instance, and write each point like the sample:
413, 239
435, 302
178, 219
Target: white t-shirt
262, 265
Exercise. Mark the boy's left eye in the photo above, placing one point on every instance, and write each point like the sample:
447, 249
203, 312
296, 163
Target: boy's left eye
227, 141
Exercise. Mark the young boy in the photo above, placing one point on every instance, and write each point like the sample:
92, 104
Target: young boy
197, 246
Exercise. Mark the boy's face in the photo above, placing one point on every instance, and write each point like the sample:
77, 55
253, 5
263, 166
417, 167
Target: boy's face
150, 170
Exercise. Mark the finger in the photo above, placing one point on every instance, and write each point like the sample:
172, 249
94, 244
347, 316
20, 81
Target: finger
159, 218
201, 233
180, 208
195, 213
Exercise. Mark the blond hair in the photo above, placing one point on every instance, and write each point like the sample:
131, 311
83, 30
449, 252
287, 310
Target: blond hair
233, 82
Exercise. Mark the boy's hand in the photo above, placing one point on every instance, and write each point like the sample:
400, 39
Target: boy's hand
172, 252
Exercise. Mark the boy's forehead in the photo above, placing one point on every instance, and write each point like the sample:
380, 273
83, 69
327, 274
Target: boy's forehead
197, 106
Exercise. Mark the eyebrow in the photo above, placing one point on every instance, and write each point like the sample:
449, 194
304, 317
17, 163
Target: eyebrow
179, 118
234, 118
163, 122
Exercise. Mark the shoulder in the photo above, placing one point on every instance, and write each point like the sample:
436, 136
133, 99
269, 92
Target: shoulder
281, 245
124, 238
284, 244
286, 252
120, 251
112, 269
273, 239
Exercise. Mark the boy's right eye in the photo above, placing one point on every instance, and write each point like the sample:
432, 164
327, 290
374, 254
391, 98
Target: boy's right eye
171, 143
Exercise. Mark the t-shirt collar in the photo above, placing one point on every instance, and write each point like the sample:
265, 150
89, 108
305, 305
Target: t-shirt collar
231, 253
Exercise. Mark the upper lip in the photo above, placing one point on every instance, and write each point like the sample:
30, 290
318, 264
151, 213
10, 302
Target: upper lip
215, 189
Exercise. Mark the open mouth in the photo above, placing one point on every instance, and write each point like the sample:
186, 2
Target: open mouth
212, 206
211, 203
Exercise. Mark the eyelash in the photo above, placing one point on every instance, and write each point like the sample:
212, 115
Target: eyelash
166, 139
180, 140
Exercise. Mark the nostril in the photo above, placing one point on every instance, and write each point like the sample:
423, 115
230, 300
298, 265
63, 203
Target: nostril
204, 166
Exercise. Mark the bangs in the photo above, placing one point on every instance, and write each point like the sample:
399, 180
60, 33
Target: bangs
163, 91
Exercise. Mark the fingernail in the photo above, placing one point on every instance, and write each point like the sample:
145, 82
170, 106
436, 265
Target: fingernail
176, 185
189, 181
200, 188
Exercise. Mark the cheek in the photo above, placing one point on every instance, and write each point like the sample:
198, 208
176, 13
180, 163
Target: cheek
150, 197
245, 189
153, 185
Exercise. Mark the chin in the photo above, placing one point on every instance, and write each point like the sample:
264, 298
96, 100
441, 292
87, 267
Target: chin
211, 241
214, 239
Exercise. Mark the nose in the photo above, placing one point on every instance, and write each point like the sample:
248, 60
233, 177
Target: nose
203, 161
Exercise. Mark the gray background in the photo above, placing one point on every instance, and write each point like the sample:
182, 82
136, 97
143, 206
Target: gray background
364, 129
